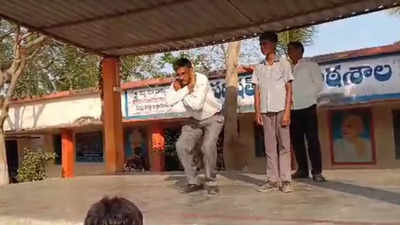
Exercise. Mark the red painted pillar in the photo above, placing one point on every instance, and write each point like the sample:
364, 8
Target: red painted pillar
68, 154
157, 147
114, 153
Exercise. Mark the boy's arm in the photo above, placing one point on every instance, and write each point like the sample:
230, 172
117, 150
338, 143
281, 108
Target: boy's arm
289, 93
257, 105
288, 104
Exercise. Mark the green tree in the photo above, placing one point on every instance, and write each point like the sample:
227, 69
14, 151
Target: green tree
61, 67
142, 67
58, 67
303, 35
19, 47
73, 68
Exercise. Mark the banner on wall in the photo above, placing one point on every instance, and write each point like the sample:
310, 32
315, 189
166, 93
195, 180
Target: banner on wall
351, 81
361, 80
150, 102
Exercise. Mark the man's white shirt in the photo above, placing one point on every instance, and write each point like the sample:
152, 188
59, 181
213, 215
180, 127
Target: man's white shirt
200, 104
307, 83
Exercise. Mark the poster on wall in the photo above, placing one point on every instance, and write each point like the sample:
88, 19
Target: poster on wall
352, 137
136, 151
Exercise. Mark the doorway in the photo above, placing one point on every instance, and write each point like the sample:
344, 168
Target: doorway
12, 159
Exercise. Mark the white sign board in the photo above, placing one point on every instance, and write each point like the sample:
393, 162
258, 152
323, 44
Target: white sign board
361, 80
146, 103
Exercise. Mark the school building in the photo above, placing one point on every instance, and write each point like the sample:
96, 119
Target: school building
358, 114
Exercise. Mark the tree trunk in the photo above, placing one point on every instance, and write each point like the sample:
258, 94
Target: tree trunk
4, 179
230, 106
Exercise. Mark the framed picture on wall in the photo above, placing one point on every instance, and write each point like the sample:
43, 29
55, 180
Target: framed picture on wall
136, 146
352, 139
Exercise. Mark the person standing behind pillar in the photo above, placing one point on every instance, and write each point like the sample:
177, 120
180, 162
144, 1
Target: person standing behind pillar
306, 86
272, 100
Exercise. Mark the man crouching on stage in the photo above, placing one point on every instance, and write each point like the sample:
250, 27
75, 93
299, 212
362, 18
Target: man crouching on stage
194, 92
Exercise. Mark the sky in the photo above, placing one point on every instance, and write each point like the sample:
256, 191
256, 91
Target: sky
369, 30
